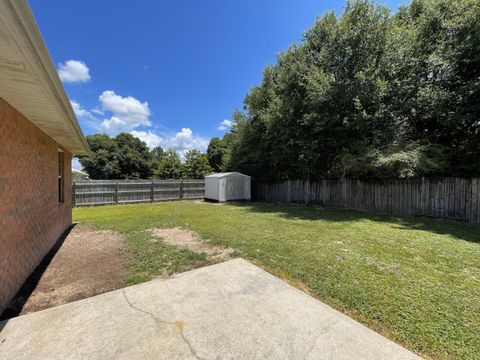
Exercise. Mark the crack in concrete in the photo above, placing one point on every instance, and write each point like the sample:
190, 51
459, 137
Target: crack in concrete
194, 353
143, 311
192, 350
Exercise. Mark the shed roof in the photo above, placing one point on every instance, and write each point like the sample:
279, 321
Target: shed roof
225, 174
29, 79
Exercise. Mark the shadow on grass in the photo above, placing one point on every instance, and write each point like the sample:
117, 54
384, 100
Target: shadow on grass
457, 229
21, 297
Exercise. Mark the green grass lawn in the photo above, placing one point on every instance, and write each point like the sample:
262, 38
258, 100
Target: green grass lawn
415, 280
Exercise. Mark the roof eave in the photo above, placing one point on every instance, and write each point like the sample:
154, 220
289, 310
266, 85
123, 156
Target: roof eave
26, 31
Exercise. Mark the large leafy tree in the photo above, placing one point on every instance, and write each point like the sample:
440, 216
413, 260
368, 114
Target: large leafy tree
127, 157
215, 153
101, 163
196, 165
134, 157
367, 94
121, 157
170, 167
439, 82
158, 153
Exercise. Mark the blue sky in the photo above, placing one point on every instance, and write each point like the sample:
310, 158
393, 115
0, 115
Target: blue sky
171, 72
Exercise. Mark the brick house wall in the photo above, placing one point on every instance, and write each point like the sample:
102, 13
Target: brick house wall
31, 216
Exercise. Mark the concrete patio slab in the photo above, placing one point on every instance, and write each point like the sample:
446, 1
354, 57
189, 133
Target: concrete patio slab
232, 310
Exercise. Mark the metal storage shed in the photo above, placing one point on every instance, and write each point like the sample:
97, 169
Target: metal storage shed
227, 186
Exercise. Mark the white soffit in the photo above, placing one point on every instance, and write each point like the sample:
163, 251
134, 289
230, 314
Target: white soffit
29, 80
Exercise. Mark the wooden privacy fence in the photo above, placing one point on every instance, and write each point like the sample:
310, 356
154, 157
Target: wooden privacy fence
453, 198
103, 192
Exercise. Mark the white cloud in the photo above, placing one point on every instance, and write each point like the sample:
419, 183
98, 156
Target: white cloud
181, 142
127, 113
97, 111
151, 139
76, 164
86, 118
74, 71
79, 110
225, 125
185, 140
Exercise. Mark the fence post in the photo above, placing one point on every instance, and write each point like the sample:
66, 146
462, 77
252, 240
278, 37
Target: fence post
152, 193
116, 192
307, 192
74, 186
181, 189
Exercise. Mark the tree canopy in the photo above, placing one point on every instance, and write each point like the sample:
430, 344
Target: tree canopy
196, 165
127, 157
121, 157
170, 167
366, 94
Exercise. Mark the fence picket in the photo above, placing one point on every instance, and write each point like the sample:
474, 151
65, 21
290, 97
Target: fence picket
103, 192
452, 198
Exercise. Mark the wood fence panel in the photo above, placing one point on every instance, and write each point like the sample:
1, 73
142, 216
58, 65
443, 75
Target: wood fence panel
193, 189
475, 202
164, 190
454, 198
94, 193
105, 192
134, 191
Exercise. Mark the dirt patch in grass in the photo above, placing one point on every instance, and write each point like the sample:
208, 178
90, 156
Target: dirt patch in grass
88, 262
384, 267
185, 239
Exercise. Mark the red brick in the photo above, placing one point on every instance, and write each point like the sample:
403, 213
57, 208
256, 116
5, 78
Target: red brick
31, 219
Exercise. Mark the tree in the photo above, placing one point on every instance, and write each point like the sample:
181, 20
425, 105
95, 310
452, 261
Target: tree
406, 161
157, 155
121, 157
367, 94
127, 157
170, 167
134, 158
158, 152
196, 165
101, 163
215, 152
